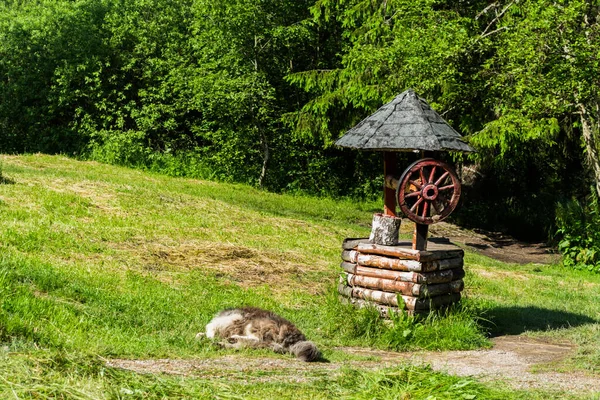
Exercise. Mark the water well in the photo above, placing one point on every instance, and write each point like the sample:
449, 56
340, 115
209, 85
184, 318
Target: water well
425, 273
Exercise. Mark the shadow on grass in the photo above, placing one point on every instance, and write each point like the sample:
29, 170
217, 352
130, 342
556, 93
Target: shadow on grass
516, 320
4, 180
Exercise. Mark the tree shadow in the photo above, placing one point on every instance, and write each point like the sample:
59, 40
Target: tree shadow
4, 180
516, 320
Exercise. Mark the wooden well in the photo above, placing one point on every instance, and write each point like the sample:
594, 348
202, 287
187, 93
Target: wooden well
424, 274
395, 278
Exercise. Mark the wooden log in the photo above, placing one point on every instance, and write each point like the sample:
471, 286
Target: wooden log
386, 285
351, 243
391, 299
404, 288
384, 229
436, 251
348, 267
416, 277
350, 256
394, 264
398, 264
384, 311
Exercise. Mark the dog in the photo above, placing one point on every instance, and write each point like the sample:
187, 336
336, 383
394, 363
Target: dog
257, 328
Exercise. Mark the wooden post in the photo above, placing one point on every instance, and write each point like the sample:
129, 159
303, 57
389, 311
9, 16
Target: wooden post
420, 237
421, 231
389, 195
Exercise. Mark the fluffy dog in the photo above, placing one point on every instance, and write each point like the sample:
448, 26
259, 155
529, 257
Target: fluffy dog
257, 328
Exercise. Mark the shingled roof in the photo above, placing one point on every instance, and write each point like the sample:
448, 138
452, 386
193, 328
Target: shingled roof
406, 123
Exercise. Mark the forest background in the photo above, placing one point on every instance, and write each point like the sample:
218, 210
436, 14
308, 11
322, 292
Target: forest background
257, 91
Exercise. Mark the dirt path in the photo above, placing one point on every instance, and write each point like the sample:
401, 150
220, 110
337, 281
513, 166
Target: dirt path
511, 360
491, 244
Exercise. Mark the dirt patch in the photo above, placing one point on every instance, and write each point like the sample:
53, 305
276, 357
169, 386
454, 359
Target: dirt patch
511, 360
492, 244
250, 370
241, 265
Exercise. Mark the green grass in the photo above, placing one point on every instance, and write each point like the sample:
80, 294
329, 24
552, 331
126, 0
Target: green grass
542, 301
41, 376
102, 262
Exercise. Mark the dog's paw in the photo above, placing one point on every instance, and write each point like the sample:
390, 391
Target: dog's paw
200, 335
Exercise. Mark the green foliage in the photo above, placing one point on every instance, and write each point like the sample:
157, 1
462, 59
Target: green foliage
411, 382
192, 88
510, 75
459, 327
579, 233
388, 46
257, 91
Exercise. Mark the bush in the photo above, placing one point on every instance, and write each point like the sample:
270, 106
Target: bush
579, 234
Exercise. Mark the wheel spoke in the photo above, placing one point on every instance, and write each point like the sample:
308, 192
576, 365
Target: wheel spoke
413, 194
446, 187
414, 207
432, 174
425, 209
416, 184
422, 174
441, 179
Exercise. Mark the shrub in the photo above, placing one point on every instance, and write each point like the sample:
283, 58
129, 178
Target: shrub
579, 234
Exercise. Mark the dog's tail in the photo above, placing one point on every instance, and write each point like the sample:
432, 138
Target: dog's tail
305, 351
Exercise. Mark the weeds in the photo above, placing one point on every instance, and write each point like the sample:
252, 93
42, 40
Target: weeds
579, 233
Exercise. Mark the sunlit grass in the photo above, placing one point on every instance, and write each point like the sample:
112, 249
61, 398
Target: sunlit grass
99, 262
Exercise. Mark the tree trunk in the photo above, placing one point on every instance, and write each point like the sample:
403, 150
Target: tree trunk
591, 133
263, 171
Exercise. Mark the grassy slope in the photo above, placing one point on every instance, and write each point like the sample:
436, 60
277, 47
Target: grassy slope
101, 261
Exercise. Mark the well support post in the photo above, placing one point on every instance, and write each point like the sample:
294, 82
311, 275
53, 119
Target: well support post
389, 194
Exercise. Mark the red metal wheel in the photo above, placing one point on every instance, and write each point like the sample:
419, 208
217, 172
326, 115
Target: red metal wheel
428, 191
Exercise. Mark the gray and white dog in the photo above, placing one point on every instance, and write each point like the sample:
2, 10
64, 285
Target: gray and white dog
257, 328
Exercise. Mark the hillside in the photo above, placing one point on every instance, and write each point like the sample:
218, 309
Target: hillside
104, 263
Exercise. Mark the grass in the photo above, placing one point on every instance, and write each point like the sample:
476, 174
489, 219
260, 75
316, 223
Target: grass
101, 262
40, 376
548, 302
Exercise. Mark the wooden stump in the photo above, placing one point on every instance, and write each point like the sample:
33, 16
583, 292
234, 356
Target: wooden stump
385, 229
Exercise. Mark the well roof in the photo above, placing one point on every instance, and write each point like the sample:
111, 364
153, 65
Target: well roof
404, 124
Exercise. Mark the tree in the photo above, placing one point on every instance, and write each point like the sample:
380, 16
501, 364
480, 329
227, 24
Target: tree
388, 46
543, 72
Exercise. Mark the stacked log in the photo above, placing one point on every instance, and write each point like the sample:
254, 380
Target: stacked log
399, 278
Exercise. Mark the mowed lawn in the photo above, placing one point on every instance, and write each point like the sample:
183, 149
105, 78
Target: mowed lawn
102, 262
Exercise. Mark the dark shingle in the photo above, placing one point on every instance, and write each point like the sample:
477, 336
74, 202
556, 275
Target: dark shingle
406, 123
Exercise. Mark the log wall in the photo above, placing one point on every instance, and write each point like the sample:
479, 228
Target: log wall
397, 277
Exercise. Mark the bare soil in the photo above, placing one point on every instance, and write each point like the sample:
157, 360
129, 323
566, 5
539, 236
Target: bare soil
512, 360
492, 244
